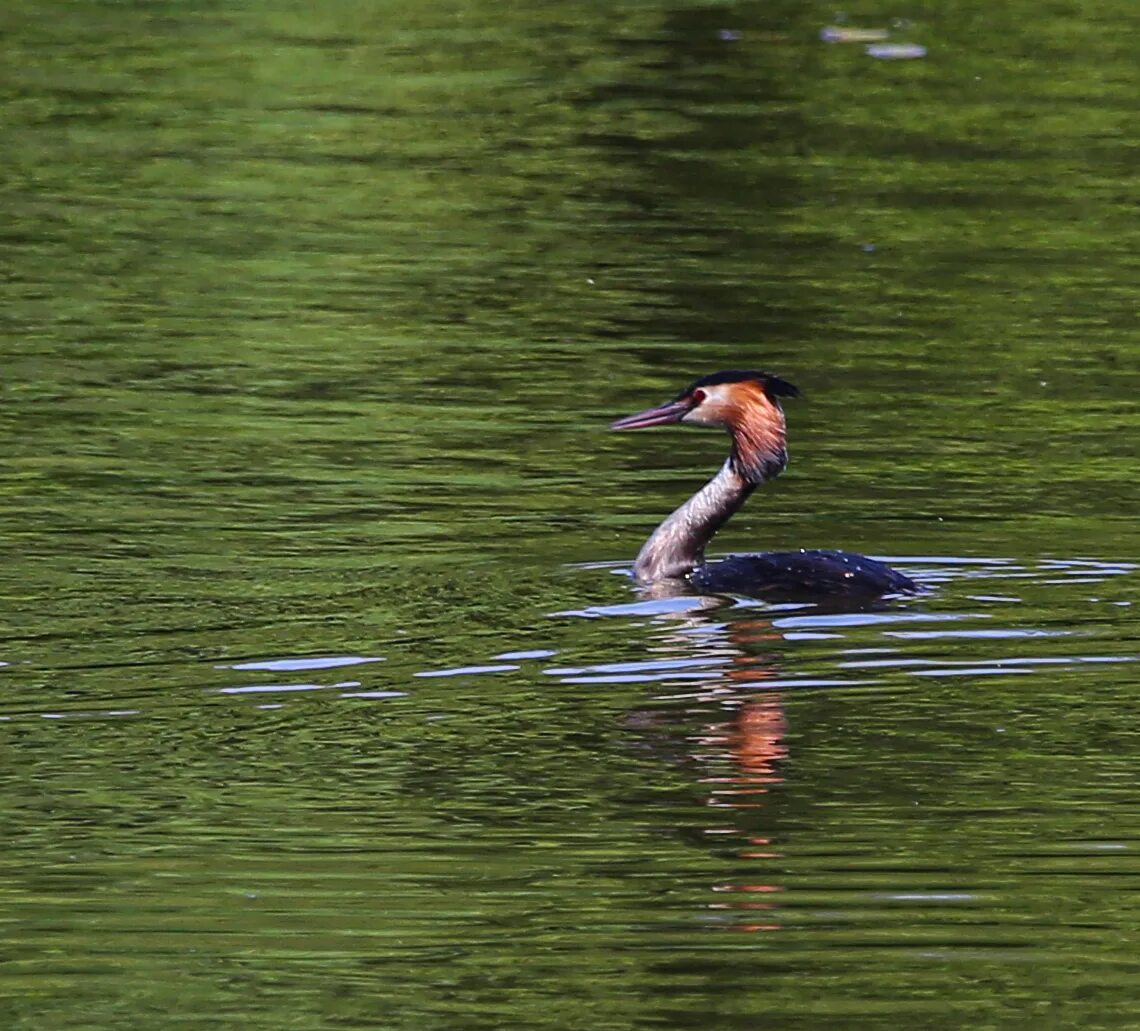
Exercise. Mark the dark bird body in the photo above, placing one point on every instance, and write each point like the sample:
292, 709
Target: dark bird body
747, 405
801, 576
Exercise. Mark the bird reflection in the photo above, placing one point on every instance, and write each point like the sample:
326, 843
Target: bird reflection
738, 751
754, 740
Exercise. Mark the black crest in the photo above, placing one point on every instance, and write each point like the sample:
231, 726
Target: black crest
773, 386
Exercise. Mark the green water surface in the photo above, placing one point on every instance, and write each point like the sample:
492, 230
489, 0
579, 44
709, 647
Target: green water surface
324, 699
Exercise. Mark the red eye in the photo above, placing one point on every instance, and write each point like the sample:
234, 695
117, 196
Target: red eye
697, 396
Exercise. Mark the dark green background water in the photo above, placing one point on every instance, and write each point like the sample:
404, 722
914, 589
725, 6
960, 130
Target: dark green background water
323, 704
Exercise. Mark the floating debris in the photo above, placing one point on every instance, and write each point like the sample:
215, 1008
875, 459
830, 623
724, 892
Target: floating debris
837, 34
896, 51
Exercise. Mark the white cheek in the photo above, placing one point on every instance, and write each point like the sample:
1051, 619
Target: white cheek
705, 415
716, 408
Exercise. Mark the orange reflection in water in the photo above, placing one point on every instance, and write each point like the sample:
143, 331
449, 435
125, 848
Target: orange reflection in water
751, 745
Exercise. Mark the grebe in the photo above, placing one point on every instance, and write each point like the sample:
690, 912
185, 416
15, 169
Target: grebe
747, 405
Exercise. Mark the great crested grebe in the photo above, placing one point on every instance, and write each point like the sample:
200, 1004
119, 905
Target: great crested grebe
747, 405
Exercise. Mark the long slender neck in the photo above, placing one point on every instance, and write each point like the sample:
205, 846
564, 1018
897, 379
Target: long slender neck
678, 544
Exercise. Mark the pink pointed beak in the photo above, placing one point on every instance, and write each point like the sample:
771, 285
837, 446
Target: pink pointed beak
662, 415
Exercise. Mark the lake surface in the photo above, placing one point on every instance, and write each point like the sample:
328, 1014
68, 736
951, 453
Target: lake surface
325, 698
